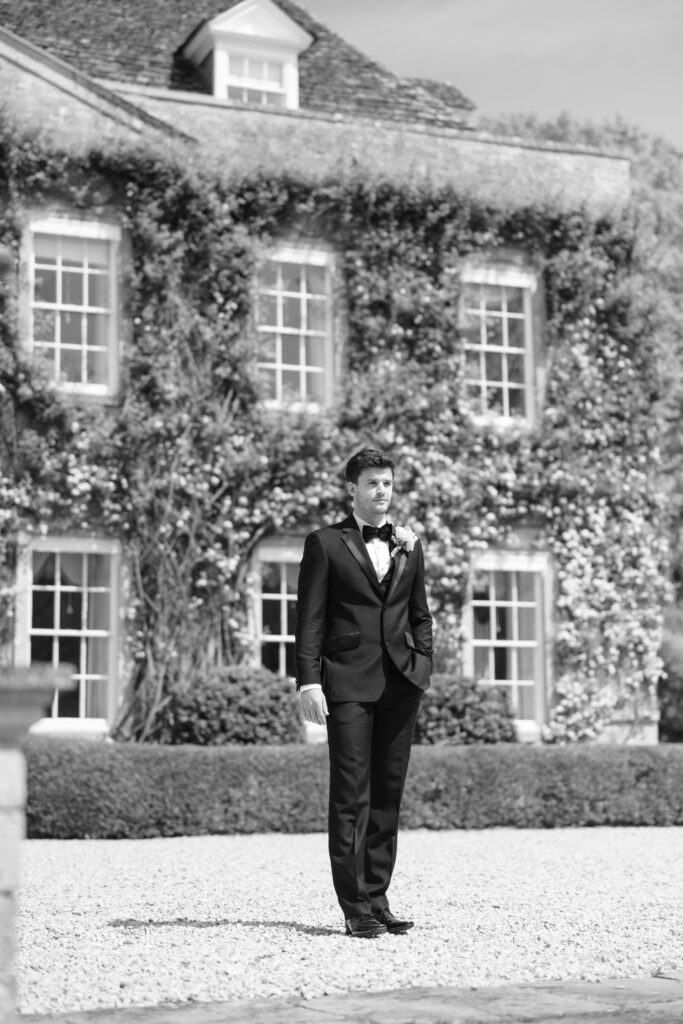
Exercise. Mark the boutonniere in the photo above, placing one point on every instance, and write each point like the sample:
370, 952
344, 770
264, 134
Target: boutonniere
403, 539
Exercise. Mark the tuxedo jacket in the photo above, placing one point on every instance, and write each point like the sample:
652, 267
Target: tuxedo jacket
348, 622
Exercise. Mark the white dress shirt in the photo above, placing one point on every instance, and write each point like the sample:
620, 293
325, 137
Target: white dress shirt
380, 556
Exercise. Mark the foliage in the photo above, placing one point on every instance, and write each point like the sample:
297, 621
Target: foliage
670, 689
192, 471
98, 790
236, 704
462, 712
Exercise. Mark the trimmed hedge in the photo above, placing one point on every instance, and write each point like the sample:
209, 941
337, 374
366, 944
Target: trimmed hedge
235, 704
461, 711
88, 789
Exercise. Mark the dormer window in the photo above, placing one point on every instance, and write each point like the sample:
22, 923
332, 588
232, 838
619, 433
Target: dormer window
250, 55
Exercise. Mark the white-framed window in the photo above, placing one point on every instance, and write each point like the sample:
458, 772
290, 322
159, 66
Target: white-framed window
67, 612
250, 54
276, 573
73, 302
295, 327
497, 327
255, 80
507, 628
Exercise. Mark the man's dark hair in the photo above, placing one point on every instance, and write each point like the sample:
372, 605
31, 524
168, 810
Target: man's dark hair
367, 458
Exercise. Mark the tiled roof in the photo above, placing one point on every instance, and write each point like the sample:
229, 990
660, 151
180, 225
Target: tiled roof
138, 41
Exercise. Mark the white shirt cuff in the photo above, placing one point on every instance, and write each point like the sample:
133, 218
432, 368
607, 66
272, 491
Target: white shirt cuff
310, 686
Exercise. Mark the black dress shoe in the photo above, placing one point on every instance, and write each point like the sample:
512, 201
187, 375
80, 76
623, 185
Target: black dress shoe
364, 927
395, 925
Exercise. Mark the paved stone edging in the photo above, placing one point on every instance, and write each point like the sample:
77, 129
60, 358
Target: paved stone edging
628, 1001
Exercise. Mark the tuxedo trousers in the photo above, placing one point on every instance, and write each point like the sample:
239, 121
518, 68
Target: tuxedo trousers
369, 748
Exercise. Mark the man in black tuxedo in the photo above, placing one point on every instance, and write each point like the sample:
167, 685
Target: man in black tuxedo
363, 657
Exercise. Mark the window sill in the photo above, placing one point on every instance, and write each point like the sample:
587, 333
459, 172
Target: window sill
83, 728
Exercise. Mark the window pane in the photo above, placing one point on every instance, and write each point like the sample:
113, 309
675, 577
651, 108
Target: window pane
316, 315
45, 248
270, 577
274, 73
292, 576
98, 329
99, 253
98, 290
256, 69
72, 289
68, 704
43, 568
503, 585
71, 569
290, 663
44, 326
98, 363
471, 296
290, 350
270, 614
481, 663
71, 366
493, 296
270, 656
494, 331
291, 312
291, 277
516, 369
494, 401
236, 65
73, 251
482, 623
315, 352
526, 585
502, 659
504, 623
41, 649
515, 300
97, 653
43, 612
291, 617
316, 280
95, 698
45, 286
291, 385
516, 334
517, 399
253, 96
268, 274
69, 650
98, 609
70, 325
472, 365
494, 366
526, 702
267, 310
70, 609
267, 348
315, 387
527, 662
526, 618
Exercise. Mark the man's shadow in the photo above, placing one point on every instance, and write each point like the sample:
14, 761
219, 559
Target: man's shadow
186, 922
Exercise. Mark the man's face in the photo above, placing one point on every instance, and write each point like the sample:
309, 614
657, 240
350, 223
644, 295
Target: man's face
372, 494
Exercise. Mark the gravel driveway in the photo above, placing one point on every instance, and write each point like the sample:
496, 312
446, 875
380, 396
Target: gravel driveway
140, 922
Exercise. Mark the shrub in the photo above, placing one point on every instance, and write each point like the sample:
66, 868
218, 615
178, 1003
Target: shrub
85, 789
236, 704
462, 712
670, 688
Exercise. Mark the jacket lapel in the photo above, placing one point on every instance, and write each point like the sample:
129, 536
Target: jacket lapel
400, 559
352, 538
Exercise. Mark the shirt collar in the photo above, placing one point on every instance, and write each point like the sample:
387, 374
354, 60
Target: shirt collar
361, 522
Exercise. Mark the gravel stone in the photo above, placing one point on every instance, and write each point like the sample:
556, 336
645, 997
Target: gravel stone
106, 923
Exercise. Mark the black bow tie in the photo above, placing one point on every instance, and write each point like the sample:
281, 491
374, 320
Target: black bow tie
383, 532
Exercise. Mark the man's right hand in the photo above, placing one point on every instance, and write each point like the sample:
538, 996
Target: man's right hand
314, 705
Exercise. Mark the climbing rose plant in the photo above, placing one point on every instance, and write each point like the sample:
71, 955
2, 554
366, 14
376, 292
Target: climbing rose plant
191, 471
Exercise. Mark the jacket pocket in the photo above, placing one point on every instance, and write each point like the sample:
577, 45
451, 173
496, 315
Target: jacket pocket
410, 641
345, 642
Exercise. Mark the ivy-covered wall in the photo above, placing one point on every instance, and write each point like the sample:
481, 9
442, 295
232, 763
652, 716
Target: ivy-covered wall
191, 472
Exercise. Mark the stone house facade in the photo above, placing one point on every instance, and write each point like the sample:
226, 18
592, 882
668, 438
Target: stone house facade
258, 87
